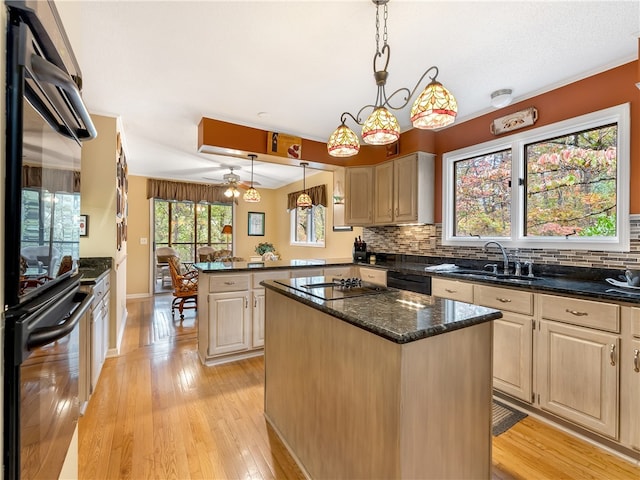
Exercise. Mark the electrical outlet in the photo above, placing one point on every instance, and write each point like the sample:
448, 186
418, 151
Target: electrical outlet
143, 240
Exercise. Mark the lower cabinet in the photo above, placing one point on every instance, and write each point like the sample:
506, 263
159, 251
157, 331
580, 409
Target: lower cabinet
258, 318
231, 326
630, 380
578, 375
512, 339
512, 355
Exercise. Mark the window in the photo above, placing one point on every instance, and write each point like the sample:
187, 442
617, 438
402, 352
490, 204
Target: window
185, 226
560, 186
308, 226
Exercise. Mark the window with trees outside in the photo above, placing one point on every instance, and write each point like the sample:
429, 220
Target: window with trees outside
185, 226
562, 186
308, 226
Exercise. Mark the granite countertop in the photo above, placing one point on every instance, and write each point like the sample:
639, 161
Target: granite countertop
396, 315
218, 267
93, 269
572, 281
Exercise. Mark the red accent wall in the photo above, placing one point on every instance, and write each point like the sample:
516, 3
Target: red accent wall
607, 89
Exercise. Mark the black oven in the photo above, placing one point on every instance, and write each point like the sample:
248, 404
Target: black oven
46, 122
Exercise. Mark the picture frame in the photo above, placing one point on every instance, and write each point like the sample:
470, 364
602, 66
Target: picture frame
84, 225
255, 224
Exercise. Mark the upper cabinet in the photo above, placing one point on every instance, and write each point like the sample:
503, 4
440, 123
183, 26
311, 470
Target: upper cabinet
359, 196
400, 190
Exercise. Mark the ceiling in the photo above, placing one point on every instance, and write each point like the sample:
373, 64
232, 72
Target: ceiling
163, 65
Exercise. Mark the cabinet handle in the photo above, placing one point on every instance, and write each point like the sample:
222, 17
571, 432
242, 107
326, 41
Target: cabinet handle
229, 283
503, 300
448, 290
576, 313
246, 302
636, 360
255, 302
612, 354
397, 211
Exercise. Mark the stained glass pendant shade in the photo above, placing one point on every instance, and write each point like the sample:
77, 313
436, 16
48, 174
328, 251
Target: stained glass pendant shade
304, 200
343, 142
381, 128
434, 108
251, 195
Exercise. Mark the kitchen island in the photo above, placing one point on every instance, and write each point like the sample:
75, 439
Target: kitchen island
390, 384
231, 302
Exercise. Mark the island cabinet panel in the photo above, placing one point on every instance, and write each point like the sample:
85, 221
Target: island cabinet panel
578, 375
229, 316
351, 404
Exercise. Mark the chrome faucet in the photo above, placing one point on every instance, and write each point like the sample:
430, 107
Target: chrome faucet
505, 258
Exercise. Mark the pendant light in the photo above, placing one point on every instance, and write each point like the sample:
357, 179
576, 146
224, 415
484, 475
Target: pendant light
251, 195
434, 108
304, 200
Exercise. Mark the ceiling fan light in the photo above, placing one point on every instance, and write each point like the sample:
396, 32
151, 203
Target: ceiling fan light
343, 142
381, 128
228, 192
251, 196
434, 108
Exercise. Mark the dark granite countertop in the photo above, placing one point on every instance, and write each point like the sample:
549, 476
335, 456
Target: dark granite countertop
396, 315
221, 267
93, 269
564, 280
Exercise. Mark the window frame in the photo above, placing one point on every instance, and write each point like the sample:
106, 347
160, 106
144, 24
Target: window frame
293, 213
619, 115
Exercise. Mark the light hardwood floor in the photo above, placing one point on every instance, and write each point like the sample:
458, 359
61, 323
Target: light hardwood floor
158, 413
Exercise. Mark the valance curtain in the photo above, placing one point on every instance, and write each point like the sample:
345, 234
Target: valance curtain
181, 191
318, 196
54, 180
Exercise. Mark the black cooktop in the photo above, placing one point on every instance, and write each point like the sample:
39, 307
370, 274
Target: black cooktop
332, 289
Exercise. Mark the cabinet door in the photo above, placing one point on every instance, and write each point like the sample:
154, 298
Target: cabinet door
97, 345
383, 193
630, 391
257, 319
405, 189
228, 322
578, 375
359, 195
513, 355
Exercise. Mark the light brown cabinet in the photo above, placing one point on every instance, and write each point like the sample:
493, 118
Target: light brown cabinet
578, 375
452, 289
359, 195
512, 339
630, 379
403, 190
393, 192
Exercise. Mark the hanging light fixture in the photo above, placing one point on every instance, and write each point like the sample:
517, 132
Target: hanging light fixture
251, 195
231, 180
434, 108
304, 200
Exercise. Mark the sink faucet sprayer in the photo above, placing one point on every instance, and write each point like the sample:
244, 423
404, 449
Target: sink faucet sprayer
504, 255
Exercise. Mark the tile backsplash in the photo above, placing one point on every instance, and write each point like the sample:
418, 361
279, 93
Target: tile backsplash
426, 240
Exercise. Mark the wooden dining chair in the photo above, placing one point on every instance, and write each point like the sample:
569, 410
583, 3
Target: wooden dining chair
185, 287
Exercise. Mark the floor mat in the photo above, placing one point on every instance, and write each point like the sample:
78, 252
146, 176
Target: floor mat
504, 417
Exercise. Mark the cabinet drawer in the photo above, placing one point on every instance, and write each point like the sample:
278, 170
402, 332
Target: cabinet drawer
374, 275
228, 283
504, 299
107, 282
306, 272
452, 289
269, 275
600, 315
337, 272
635, 322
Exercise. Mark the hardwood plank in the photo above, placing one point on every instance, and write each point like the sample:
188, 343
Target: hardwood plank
158, 413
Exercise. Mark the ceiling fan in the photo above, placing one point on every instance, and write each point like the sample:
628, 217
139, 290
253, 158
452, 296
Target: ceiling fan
232, 182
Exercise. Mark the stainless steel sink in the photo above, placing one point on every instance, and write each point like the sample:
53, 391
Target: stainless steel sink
482, 274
